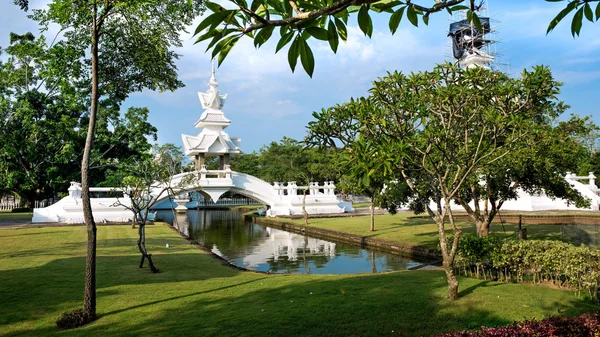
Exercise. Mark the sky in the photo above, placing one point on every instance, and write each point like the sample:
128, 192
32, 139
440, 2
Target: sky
266, 101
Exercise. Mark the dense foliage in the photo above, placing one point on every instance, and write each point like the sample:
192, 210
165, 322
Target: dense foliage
584, 325
289, 160
558, 263
44, 122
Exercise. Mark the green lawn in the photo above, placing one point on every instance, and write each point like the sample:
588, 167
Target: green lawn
42, 272
423, 231
16, 216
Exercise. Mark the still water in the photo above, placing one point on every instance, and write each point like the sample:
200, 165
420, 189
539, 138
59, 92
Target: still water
263, 248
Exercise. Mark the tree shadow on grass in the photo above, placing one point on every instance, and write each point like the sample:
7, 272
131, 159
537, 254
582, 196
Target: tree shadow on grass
59, 284
400, 304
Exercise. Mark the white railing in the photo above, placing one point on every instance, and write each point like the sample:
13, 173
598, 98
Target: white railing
211, 174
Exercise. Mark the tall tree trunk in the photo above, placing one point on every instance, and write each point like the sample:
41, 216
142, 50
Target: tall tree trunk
372, 209
89, 300
483, 227
304, 209
448, 253
452, 282
142, 247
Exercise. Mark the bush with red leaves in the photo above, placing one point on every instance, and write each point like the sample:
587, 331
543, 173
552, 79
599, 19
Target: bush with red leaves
587, 325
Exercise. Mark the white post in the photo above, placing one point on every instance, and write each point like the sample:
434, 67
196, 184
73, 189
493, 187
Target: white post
332, 187
227, 171
568, 176
289, 188
203, 172
75, 190
592, 179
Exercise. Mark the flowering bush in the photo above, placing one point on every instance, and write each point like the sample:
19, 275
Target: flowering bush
587, 325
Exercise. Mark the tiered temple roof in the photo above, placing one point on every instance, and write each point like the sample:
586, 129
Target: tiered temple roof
212, 140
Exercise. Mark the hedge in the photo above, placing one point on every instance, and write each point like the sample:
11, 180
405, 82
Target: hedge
559, 263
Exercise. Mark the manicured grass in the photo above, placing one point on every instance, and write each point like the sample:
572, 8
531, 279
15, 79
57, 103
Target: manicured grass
42, 273
423, 231
15, 216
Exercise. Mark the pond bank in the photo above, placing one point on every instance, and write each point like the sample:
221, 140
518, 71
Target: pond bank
405, 249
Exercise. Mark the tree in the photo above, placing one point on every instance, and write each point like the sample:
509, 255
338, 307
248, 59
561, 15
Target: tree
44, 123
365, 174
145, 182
539, 168
37, 133
439, 130
299, 21
129, 49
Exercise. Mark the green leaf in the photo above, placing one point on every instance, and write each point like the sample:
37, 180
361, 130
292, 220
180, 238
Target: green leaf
293, 53
332, 36
588, 12
395, 19
571, 6
216, 17
214, 7
262, 36
276, 5
426, 20
458, 8
218, 36
306, 57
366, 180
285, 39
598, 11
255, 4
343, 15
341, 29
476, 22
317, 32
222, 44
577, 22
412, 16
226, 48
364, 21
207, 35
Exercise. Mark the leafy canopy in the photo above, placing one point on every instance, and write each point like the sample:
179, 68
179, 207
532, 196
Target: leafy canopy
300, 22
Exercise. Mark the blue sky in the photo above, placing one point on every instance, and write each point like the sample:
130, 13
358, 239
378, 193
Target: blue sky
267, 101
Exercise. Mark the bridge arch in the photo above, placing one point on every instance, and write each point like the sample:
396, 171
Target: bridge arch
236, 182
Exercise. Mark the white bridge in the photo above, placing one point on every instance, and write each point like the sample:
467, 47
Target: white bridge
278, 198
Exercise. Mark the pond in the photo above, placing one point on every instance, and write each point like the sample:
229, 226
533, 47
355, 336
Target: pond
262, 248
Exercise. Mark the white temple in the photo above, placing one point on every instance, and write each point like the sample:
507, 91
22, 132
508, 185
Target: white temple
213, 140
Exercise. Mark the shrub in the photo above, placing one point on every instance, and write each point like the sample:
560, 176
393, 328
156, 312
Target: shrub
555, 262
73, 319
584, 325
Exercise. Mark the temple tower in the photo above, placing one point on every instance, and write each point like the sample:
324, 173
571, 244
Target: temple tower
212, 140
471, 46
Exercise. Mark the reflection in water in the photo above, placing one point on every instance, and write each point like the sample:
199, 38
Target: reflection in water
268, 249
